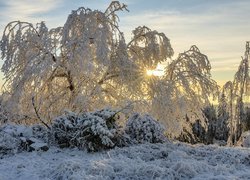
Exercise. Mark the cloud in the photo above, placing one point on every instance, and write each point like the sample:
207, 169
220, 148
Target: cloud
232, 68
26, 10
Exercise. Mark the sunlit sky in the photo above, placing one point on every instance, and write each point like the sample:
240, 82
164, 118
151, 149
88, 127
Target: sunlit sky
219, 28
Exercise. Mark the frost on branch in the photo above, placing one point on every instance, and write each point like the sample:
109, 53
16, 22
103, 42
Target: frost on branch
184, 90
94, 131
29, 57
84, 65
191, 72
148, 48
66, 67
236, 92
87, 65
144, 128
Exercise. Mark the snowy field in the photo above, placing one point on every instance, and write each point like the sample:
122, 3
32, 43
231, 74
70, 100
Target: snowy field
146, 161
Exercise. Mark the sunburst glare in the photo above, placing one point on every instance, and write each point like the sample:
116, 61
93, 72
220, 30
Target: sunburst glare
158, 71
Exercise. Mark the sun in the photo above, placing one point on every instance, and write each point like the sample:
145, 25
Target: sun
158, 71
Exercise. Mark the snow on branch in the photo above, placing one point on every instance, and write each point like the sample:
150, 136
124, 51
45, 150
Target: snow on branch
148, 48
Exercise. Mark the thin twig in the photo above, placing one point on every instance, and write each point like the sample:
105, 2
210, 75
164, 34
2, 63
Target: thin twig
37, 114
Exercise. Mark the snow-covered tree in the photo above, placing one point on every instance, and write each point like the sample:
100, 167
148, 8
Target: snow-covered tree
210, 114
236, 93
241, 89
222, 124
227, 90
63, 67
184, 90
85, 64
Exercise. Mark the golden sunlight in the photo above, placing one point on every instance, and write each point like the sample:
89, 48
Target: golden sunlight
158, 71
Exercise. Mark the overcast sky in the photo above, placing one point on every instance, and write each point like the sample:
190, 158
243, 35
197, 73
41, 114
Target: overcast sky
219, 28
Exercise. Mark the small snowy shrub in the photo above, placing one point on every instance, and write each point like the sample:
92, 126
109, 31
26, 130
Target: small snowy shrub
40, 132
145, 129
67, 170
8, 144
3, 114
193, 132
16, 138
93, 131
245, 139
34, 131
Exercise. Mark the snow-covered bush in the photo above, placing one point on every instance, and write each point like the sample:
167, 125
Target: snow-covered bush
244, 140
34, 131
194, 131
246, 119
16, 138
3, 113
93, 130
8, 144
143, 129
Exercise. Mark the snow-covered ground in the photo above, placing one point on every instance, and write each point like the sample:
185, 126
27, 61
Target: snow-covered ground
145, 161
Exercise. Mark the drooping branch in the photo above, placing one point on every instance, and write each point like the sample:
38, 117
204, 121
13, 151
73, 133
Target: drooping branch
192, 70
113, 7
148, 48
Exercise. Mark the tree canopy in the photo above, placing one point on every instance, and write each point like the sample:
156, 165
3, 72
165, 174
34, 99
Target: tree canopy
87, 64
